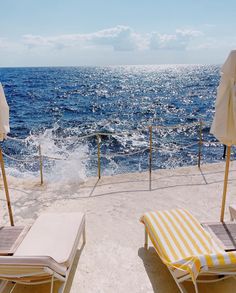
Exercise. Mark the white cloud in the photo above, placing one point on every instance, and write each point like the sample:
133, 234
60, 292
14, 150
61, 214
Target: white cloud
178, 41
116, 45
119, 38
188, 33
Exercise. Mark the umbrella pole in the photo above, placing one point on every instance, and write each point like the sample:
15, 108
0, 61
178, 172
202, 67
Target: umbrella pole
6, 189
225, 183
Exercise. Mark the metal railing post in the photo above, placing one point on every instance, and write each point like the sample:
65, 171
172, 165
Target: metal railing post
200, 145
99, 155
41, 165
150, 157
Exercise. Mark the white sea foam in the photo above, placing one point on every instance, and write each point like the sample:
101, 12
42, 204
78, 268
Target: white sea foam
64, 158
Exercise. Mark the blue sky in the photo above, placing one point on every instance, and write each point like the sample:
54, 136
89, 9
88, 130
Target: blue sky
109, 32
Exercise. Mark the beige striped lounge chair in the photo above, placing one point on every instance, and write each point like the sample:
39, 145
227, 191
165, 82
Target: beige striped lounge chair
189, 252
47, 251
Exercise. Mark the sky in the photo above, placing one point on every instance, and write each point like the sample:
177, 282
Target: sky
115, 32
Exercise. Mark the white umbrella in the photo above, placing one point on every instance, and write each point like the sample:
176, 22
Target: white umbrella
224, 122
4, 129
4, 115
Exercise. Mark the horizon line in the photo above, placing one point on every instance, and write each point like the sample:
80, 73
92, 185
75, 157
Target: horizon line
118, 65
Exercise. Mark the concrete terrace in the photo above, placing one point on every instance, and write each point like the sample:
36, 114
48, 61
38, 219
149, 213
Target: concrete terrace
114, 259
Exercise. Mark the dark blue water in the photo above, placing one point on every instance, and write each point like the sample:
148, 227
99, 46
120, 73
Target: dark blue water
55, 106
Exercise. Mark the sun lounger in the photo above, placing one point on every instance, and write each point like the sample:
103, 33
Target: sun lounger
189, 252
47, 251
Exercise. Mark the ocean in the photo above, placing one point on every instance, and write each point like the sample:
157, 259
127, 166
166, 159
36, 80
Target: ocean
59, 107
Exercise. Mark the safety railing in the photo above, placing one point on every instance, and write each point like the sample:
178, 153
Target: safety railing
150, 148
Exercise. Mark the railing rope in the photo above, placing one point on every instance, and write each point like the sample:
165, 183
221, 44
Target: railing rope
115, 133
18, 160
15, 138
146, 147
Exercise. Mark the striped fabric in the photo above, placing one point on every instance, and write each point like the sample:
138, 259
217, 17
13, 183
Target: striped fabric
182, 243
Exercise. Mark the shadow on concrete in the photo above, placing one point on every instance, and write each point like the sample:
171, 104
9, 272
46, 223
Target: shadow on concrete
157, 272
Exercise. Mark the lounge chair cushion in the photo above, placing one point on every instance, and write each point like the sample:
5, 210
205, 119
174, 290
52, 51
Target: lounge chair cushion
53, 235
182, 243
178, 235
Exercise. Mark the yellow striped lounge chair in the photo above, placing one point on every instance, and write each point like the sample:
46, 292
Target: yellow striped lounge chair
189, 252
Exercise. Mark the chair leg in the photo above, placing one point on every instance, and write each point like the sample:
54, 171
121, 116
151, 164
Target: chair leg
62, 287
178, 282
13, 288
181, 288
52, 284
195, 287
146, 239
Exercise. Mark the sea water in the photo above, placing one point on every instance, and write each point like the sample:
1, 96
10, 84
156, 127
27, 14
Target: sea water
57, 107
